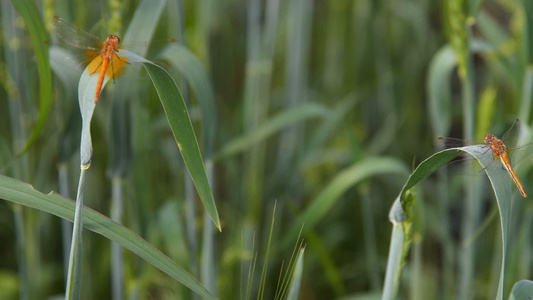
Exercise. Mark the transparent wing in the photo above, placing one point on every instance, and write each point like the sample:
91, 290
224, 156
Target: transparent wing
510, 138
75, 36
517, 154
449, 142
464, 164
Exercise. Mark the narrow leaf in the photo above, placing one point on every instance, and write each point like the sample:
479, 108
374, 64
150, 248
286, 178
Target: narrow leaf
24, 194
34, 22
180, 123
323, 202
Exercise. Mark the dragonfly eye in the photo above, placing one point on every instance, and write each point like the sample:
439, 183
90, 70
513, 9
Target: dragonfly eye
114, 38
489, 137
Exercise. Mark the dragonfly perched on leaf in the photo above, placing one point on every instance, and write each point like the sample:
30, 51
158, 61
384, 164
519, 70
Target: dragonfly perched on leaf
503, 151
102, 56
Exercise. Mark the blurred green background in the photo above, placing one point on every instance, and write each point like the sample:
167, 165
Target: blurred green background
322, 107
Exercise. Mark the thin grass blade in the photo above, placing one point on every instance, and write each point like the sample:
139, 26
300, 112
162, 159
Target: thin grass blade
359, 171
180, 123
29, 12
73, 288
285, 118
296, 282
22, 193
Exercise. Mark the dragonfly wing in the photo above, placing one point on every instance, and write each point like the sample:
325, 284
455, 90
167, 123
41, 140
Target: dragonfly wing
468, 163
74, 36
510, 138
117, 66
519, 153
95, 65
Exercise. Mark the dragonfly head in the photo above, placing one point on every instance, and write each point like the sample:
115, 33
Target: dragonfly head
489, 138
113, 39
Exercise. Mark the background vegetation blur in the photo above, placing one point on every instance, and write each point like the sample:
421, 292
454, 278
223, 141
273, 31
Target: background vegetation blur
322, 107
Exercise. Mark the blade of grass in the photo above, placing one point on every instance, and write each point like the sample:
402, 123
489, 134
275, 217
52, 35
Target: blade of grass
73, 287
286, 281
86, 88
180, 123
24, 194
296, 282
29, 12
440, 70
501, 185
269, 127
399, 216
327, 261
323, 202
522, 290
296, 72
263, 279
19, 104
180, 58
195, 74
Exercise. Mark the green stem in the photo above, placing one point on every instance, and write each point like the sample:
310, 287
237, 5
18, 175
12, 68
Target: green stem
73, 289
117, 268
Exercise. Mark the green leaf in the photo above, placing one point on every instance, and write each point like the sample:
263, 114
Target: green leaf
438, 88
438, 85
359, 171
66, 70
73, 288
394, 266
24, 194
144, 22
194, 72
284, 118
86, 91
501, 185
296, 282
29, 12
522, 290
180, 123
428, 167
68, 73
399, 216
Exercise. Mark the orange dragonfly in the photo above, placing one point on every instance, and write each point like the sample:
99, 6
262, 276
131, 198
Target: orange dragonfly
501, 152
102, 57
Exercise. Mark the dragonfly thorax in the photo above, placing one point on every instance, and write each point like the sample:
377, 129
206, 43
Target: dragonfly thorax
495, 144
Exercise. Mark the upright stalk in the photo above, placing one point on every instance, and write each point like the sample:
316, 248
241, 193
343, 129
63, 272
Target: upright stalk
15, 83
472, 201
297, 51
117, 268
66, 226
73, 289
254, 113
255, 108
190, 198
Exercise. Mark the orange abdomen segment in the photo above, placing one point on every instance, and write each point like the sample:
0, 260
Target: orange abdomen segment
504, 158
